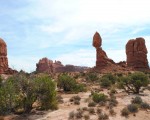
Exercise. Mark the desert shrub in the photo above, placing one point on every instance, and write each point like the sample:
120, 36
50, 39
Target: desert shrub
84, 108
20, 91
69, 84
111, 78
113, 90
99, 111
59, 99
99, 97
46, 93
105, 82
125, 112
71, 115
148, 88
137, 100
132, 108
76, 102
113, 102
79, 114
91, 110
112, 112
17, 92
79, 88
145, 105
119, 74
102, 103
133, 82
103, 116
1, 80
92, 77
86, 117
92, 104
66, 82
8, 96
77, 98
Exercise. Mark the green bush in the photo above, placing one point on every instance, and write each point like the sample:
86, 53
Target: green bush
66, 82
111, 77
132, 108
91, 104
107, 80
20, 92
86, 117
99, 97
125, 112
112, 112
69, 84
103, 116
71, 115
145, 105
137, 100
1, 80
113, 90
113, 102
99, 111
8, 97
91, 110
46, 93
92, 77
76, 102
133, 82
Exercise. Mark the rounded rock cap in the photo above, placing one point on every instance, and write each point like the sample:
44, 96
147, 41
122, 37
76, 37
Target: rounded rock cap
97, 40
2, 42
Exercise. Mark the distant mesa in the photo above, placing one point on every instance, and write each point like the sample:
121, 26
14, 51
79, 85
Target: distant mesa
4, 68
48, 66
136, 52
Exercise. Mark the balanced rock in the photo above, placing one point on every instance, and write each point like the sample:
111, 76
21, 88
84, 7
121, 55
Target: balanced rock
136, 52
101, 57
97, 40
3, 57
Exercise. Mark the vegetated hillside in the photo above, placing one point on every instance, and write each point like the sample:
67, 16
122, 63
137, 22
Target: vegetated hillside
86, 95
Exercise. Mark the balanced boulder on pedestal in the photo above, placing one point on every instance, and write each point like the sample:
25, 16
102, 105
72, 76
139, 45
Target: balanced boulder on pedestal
101, 57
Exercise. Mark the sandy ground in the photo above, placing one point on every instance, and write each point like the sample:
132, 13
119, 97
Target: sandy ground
64, 109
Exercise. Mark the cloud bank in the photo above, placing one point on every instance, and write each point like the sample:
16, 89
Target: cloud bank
63, 29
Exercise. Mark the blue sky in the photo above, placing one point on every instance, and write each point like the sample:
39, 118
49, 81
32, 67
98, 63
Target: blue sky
63, 29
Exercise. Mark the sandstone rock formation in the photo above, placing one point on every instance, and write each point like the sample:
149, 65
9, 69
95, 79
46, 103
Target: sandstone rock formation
136, 52
4, 68
48, 66
44, 65
101, 57
3, 57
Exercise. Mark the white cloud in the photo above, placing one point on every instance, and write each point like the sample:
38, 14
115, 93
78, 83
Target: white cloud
79, 17
26, 63
78, 20
87, 57
82, 57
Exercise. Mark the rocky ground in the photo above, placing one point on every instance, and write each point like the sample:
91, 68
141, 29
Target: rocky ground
66, 107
